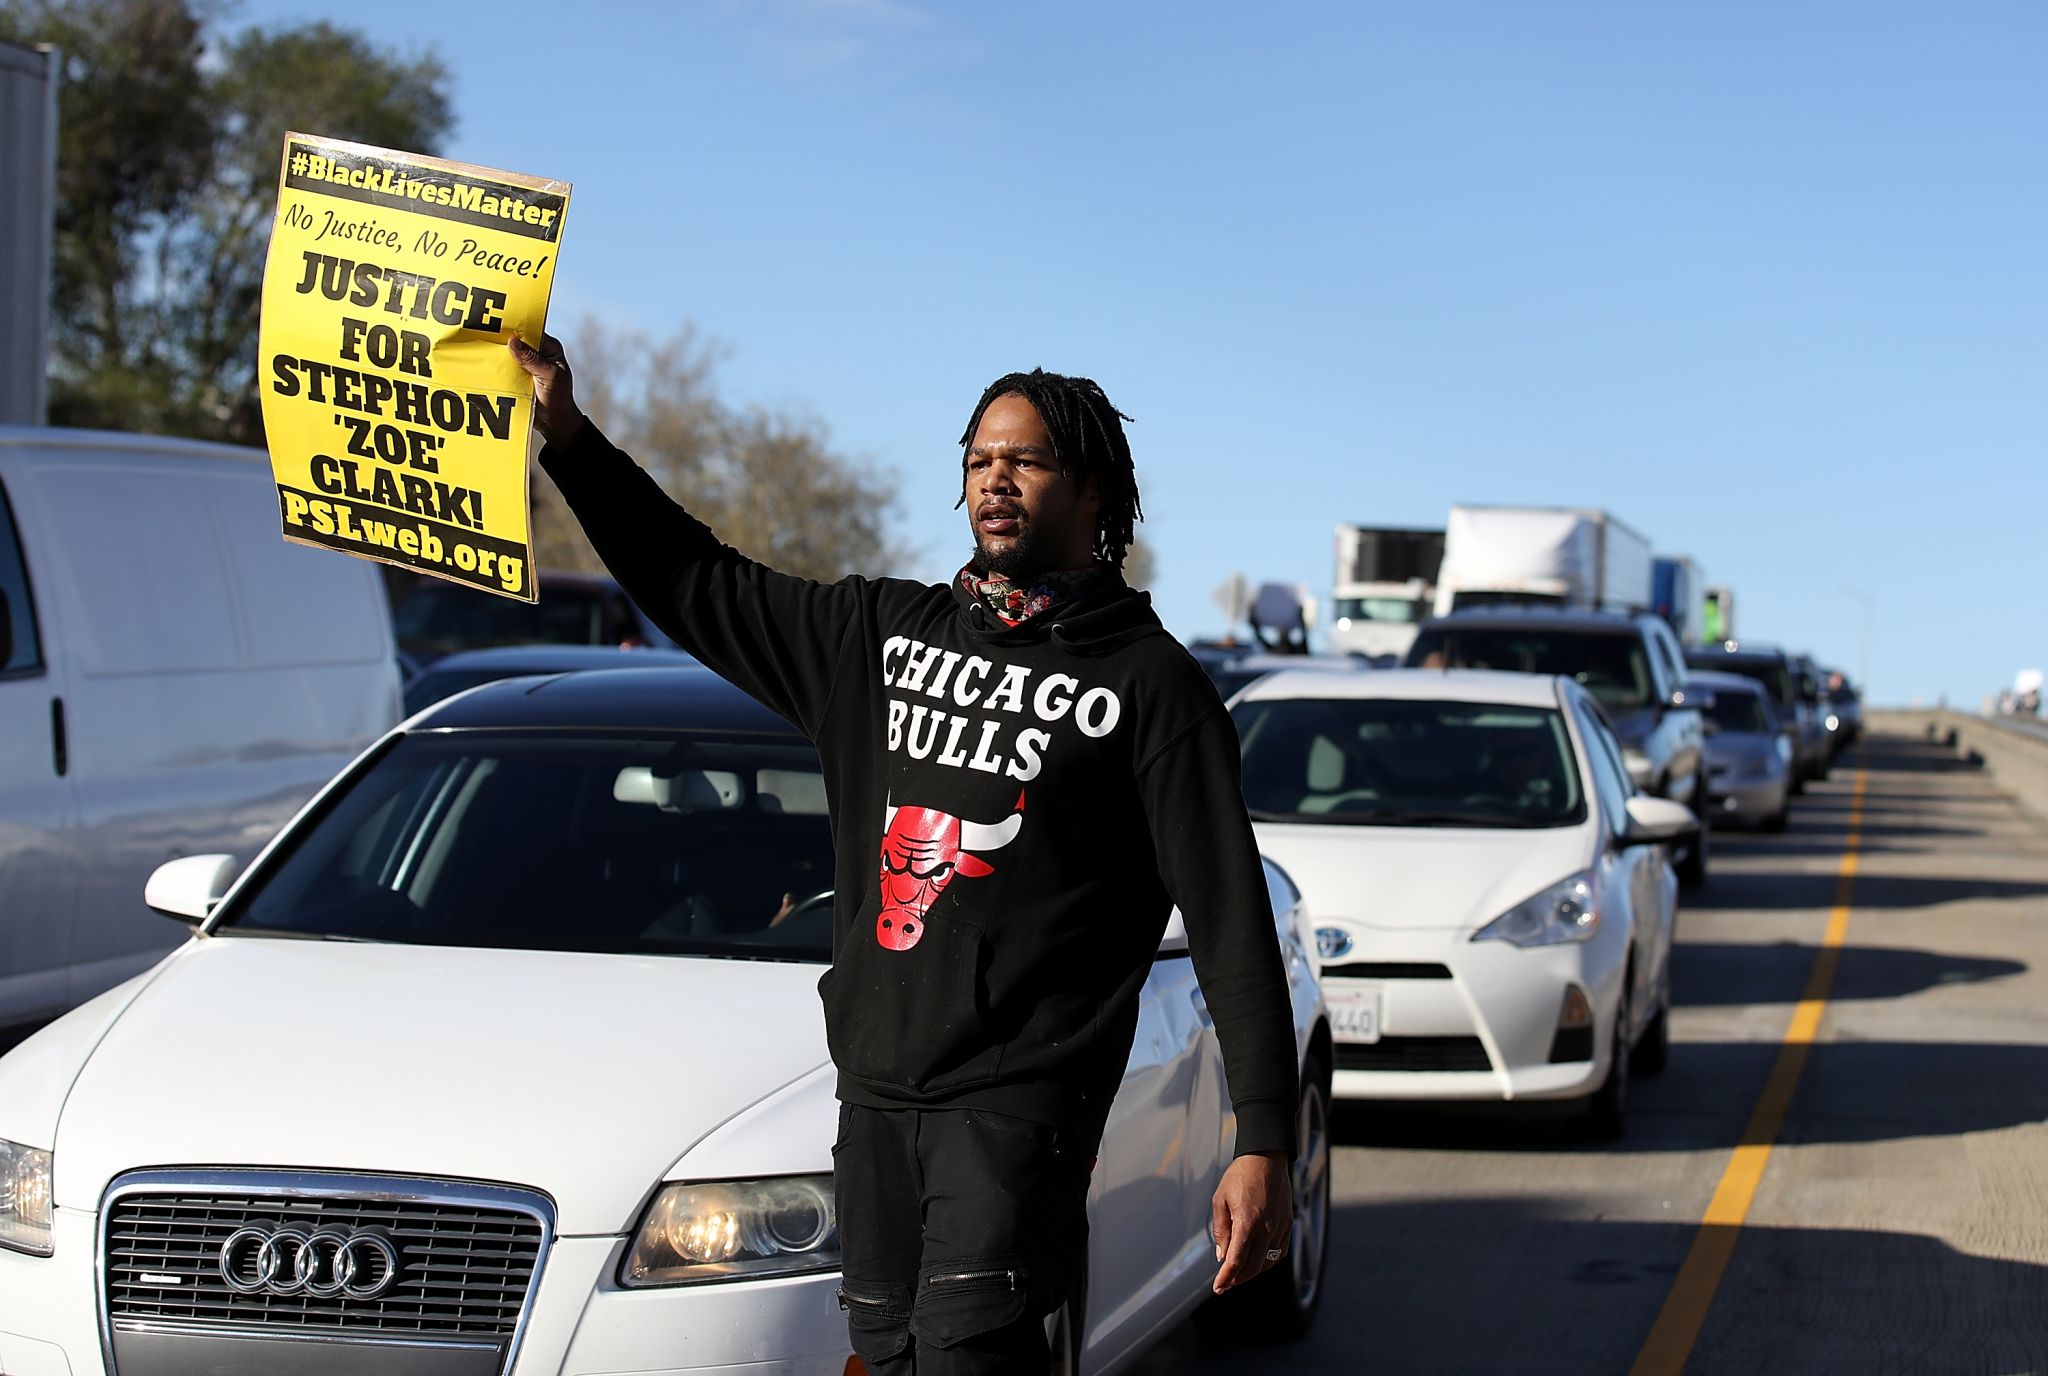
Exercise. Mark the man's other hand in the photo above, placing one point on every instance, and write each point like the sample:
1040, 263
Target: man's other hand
554, 391
1251, 1215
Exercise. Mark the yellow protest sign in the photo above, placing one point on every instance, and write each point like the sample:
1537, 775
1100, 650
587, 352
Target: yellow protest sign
397, 419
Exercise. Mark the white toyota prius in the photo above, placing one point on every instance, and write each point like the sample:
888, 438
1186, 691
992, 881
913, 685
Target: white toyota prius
1493, 901
506, 1056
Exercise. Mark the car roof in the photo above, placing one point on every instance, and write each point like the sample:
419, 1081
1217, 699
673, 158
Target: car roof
1736, 653
1521, 618
1431, 685
1723, 683
558, 659
675, 699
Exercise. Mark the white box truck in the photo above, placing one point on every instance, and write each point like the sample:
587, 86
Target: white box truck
1572, 557
1385, 586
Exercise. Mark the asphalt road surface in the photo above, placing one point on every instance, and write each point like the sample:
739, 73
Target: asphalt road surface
1880, 1196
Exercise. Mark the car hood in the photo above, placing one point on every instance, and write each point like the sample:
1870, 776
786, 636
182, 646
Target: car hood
1409, 879
584, 1076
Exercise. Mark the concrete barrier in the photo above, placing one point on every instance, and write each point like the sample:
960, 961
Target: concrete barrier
2013, 750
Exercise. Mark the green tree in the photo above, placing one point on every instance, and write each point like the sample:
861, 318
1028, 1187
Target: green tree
169, 135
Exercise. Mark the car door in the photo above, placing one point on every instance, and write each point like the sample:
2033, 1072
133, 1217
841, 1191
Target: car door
1678, 722
38, 801
1159, 1148
1631, 880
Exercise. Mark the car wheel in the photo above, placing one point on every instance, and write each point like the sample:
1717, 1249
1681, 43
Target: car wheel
1775, 822
1798, 783
1606, 1113
1653, 1051
1692, 870
1281, 1304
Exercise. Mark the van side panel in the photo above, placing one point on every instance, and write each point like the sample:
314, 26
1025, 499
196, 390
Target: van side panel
220, 676
38, 821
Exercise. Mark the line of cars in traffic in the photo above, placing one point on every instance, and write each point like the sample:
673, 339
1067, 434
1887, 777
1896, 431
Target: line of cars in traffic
505, 1048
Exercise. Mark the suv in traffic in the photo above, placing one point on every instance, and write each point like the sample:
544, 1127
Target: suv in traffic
1633, 666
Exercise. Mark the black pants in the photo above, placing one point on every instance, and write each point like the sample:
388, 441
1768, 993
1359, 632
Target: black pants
959, 1230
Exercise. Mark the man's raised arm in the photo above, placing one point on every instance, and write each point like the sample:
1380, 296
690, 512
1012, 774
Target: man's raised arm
778, 637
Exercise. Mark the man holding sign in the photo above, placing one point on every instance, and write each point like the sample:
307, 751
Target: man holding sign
1025, 774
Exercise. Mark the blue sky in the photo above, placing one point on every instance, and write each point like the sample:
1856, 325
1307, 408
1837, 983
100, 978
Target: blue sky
1769, 282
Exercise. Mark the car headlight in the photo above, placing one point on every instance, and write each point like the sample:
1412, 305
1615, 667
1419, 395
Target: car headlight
25, 1199
735, 1230
1834, 722
1785, 749
1563, 912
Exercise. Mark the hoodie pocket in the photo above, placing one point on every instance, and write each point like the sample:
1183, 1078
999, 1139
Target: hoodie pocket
915, 1019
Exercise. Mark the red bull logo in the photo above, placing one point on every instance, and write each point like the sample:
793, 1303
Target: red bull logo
923, 851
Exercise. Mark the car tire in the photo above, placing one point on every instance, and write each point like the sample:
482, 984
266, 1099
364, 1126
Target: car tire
1775, 822
1692, 870
1653, 1051
1605, 1118
1798, 783
1281, 1305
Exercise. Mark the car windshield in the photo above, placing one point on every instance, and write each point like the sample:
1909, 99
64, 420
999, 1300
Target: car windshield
1381, 762
1771, 673
541, 841
435, 619
1613, 668
1734, 709
1399, 610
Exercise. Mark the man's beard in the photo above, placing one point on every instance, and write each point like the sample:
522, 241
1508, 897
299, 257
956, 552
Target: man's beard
1022, 559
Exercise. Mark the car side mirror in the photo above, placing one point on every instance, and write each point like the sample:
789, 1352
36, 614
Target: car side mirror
1652, 821
191, 887
1175, 941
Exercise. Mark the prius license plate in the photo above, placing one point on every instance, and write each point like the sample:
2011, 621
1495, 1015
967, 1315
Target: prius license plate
1355, 1011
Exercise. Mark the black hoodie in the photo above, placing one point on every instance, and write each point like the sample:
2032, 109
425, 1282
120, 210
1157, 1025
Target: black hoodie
1014, 809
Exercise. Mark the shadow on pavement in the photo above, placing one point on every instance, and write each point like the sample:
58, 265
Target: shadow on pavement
1708, 974
1759, 890
1849, 1092
1512, 1286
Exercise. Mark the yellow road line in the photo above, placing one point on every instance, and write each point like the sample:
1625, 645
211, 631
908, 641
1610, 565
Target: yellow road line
1678, 1325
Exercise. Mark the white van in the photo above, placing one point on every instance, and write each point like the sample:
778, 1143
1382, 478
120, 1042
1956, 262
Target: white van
175, 680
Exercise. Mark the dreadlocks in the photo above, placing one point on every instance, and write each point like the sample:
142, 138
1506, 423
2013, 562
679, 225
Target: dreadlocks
1087, 441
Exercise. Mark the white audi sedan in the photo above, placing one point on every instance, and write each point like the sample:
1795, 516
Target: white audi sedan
506, 1056
1493, 901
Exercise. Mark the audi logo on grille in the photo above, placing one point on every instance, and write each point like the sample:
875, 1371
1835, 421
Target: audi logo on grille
300, 1259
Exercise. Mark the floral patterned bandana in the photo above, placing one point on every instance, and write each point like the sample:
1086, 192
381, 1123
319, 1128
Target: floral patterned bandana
1016, 603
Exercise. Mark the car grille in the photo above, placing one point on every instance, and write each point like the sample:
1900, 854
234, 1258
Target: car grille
1414, 1053
468, 1254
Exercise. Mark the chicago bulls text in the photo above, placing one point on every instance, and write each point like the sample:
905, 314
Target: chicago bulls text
992, 744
